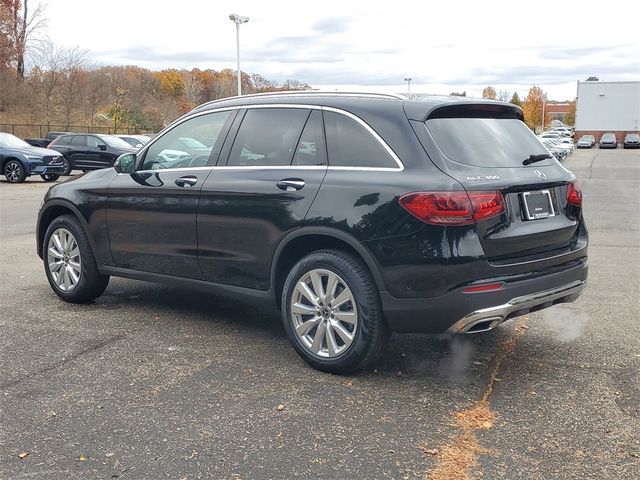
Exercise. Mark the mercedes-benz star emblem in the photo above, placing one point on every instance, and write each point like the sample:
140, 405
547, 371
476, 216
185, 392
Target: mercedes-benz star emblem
540, 174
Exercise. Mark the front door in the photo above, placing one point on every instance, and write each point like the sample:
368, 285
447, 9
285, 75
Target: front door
151, 214
262, 189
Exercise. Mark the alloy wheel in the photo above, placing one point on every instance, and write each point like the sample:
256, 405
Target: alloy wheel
324, 313
13, 171
63, 259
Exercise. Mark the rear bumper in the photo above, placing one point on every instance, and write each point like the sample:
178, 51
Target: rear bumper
458, 312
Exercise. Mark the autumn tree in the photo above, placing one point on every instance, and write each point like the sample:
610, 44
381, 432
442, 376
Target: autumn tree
170, 82
489, 92
570, 117
533, 107
515, 99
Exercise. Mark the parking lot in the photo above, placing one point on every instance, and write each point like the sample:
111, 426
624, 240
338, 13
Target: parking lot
153, 382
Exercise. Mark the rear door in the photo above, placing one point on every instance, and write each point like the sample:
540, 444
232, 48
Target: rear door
489, 148
268, 175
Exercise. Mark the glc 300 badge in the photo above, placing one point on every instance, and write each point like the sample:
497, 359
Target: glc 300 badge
478, 178
540, 174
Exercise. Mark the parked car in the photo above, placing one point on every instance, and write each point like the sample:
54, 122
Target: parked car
551, 135
556, 147
631, 140
44, 142
18, 160
567, 142
136, 141
608, 140
586, 141
90, 151
354, 214
565, 131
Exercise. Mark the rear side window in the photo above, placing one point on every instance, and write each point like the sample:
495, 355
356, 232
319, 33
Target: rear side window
486, 142
350, 144
79, 141
268, 137
311, 150
64, 140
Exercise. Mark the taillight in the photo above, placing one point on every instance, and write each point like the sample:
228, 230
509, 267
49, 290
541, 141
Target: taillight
453, 208
574, 194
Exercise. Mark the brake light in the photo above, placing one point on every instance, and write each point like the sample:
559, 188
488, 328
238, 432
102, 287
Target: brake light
453, 208
574, 194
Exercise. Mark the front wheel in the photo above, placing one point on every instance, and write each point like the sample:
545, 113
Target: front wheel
14, 171
69, 262
66, 164
50, 177
332, 312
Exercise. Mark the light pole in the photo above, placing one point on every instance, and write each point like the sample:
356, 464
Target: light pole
408, 80
238, 19
544, 104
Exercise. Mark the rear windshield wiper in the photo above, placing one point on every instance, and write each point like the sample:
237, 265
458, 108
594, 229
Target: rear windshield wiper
536, 158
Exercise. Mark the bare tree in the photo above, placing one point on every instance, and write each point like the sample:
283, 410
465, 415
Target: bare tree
504, 95
25, 26
193, 88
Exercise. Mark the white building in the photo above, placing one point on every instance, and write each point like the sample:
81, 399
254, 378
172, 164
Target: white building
607, 107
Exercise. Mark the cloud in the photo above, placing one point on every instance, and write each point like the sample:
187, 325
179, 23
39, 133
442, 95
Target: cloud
332, 25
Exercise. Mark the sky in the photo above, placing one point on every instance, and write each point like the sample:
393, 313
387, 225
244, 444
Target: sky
367, 45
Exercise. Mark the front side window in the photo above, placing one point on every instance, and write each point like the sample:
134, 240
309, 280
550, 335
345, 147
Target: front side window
188, 144
268, 137
350, 144
94, 142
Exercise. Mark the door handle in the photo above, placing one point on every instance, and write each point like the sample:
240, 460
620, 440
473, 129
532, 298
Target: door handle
290, 184
187, 181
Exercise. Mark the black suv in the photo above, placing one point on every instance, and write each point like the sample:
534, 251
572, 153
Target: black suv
90, 151
355, 214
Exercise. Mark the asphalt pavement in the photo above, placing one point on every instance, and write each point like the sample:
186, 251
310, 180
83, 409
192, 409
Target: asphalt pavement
155, 382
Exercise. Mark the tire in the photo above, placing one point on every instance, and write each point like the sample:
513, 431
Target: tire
67, 167
14, 171
356, 328
72, 253
50, 177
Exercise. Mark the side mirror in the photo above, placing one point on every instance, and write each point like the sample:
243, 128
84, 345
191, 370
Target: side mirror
125, 163
102, 146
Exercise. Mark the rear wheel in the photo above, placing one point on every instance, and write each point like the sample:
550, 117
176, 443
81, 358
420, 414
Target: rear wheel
14, 171
69, 262
332, 312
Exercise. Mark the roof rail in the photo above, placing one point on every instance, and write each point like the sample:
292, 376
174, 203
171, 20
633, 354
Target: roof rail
311, 92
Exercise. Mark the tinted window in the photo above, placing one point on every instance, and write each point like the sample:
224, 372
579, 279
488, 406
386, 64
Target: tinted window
94, 142
349, 144
486, 142
114, 142
310, 149
79, 141
268, 136
189, 144
64, 140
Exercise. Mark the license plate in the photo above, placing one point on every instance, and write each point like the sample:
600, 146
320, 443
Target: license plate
537, 205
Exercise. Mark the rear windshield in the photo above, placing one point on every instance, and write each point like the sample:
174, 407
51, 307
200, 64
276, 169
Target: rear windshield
486, 142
